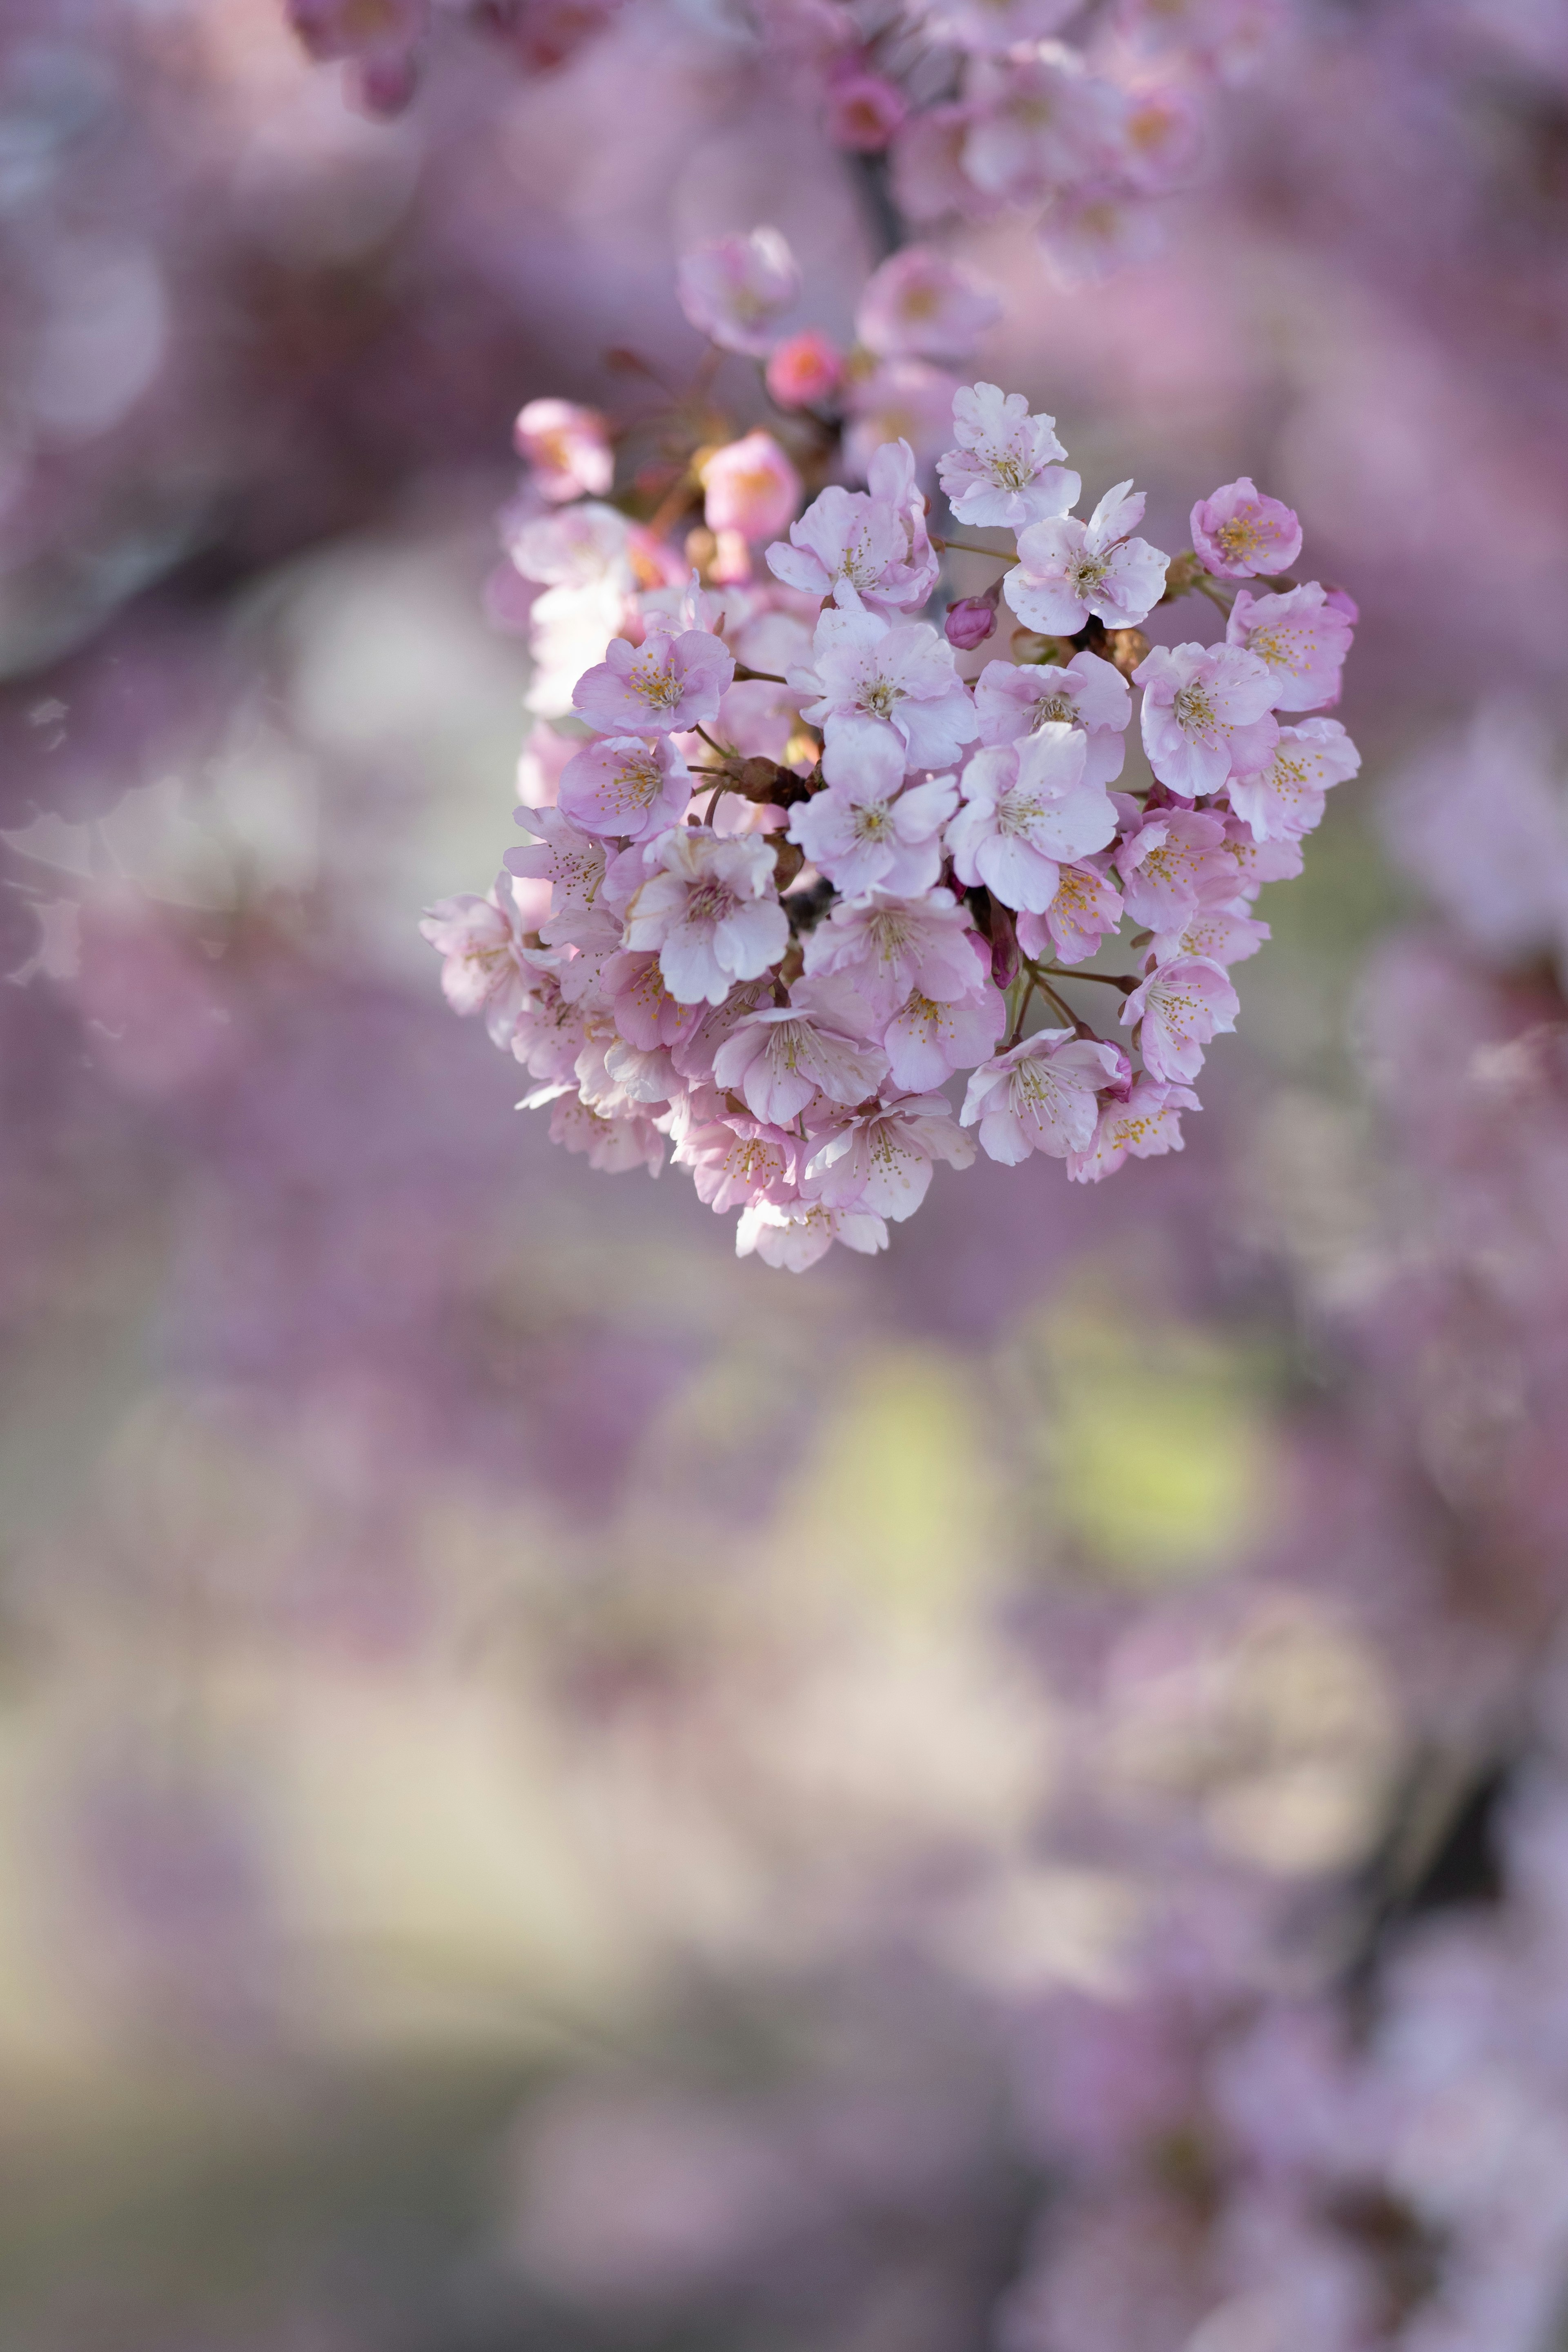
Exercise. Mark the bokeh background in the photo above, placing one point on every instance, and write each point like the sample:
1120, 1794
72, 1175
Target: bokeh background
560, 1790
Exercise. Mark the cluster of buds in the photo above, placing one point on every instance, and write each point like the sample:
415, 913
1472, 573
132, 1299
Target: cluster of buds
791, 872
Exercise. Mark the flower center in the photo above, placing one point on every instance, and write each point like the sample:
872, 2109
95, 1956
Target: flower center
872, 820
1195, 711
879, 697
710, 902
657, 684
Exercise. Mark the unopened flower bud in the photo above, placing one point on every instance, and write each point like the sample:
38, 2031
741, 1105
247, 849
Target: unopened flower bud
804, 368
969, 622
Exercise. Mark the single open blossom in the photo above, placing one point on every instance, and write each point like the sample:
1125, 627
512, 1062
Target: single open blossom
869, 677
930, 1037
625, 786
568, 448
1238, 531
920, 305
1217, 928
869, 537
1302, 637
584, 546
882, 1160
864, 111
900, 400
1181, 1006
796, 1234
1206, 715
1041, 1095
804, 369
486, 968
1026, 811
1068, 570
1144, 1127
712, 913
1011, 699
751, 486
735, 1163
1091, 231
1004, 470
787, 1057
549, 1032
868, 828
737, 288
1285, 796
1166, 862
570, 860
1161, 136
1039, 122
1255, 862
1086, 908
613, 1143
662, 687
645, 1012
888, 947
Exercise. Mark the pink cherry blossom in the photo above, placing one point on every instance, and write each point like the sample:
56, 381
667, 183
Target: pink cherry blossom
804, 369
693, 1053
625, 786
1218, 929
797, 1235
928, 1037
864, 111
710, 911
1301, 636
1086, 908
586, 546
882, 1160
1181, 1006
549, 1032
1067, 570
659, 687
1161, 136
781, 1060
852, 535
1027, 809
1041, 1095
751, 486
1003, 472
1206, 715
1285, 797
736, 1163
486, 966
1011, 699
570, 860
868, 677
736, 289
866, 829
889, 946
645, 1012
1255, 862
928, 174
900, 400
1039, 123
1090, 232
1147, 1125
614, 1144
920, 305
1167, 860
568, 448
1238, 531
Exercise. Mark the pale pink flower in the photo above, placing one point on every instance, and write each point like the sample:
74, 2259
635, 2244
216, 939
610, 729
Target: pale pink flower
804, 369
586, 546
864, 111
1206, 715
1161, 136
486, 968
662, 687
1181, 1006
1003, 472
891, 947
549, 1032
617, 1076
1026, 811
736, 1162
614, 1142
1301, 636
1238, 531
900, 400
1287, 796
866, 829
736, 289
1255, 861
930, 1037
749, 486
1041, 1095
645, 1012
796, 1234
1012, 699
1038, 123
570, 860
783, 1059
1167, 861
1091, 231
1086, 908
693, 1053
882, 1160
1218, 929
871, 540
920, 305
928, 175
1147, 1125
568, 448
867, 677
994, 26
628, 786
710, 911
892, 476
1069, 569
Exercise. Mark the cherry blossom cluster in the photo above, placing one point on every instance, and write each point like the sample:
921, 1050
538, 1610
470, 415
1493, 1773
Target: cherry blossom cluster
791, 873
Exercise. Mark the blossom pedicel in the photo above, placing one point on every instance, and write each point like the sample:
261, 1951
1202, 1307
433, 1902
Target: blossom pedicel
803, 874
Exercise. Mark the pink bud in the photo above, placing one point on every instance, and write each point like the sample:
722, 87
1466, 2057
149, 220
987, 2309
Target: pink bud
969, 622
864, 111
804, 368
1003, 945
